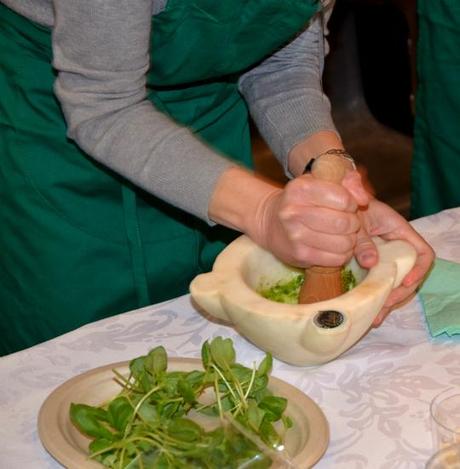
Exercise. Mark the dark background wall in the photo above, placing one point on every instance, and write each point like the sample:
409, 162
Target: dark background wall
370, 79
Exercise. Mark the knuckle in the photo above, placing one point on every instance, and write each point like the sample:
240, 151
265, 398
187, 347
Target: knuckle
342, 224
346, 223
295, 237
303, 254
302, 184
287, 213
346, 244
294, 184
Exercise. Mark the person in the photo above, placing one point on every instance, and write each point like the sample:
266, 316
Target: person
126, 154
436, 155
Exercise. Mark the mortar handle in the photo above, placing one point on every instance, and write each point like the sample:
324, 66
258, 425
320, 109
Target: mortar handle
324, 283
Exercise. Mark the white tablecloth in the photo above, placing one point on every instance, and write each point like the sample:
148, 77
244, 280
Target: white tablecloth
375, 397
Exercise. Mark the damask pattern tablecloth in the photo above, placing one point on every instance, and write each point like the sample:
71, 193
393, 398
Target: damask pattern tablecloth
376, 396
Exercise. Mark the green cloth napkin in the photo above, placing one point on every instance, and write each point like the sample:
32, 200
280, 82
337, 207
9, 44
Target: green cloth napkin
440, 295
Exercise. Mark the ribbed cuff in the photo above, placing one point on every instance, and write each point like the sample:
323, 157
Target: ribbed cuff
288, 123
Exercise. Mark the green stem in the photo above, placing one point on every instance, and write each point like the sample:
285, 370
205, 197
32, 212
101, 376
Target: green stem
239, 390
122, 455
219, 403
125, 383
136, 409
166, 438
251, 383
225, 382
139, 458
119, 445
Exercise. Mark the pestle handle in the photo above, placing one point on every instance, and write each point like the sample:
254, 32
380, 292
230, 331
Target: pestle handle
324, 283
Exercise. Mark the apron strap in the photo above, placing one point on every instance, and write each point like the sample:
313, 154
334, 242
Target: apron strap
135, 245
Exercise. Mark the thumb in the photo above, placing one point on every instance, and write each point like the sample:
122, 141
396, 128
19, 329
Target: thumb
365, 251
353, 183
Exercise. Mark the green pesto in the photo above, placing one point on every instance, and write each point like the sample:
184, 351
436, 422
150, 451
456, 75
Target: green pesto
287, 291
348, 279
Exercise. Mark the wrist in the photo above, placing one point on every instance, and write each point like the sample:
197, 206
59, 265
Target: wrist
337, 155
239, 199
310, 148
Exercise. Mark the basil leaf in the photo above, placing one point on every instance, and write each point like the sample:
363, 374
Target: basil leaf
206, 355
255, 415
148, 412
139, 373
195, 379
156, 361
145, 460
137, 367
186, 391
119, 412
109, 459
222, 352
260, 384
99, 444
274, 407
241, 373
168, 409
265, 366
287, 421
269, 435
89, 420
184, 430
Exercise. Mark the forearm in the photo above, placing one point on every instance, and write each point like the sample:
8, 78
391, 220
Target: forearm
102, 57
285, 95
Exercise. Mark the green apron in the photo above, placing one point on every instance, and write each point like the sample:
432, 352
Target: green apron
436, 159
78, 242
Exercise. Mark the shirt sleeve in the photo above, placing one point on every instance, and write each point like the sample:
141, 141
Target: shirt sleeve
284, 93
101, 54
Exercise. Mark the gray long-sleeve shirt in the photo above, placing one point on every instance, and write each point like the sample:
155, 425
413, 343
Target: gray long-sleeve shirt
101, 53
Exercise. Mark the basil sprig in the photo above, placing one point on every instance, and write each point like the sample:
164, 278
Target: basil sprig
148, 426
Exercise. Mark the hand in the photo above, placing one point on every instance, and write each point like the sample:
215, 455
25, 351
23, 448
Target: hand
311, 222
378, 219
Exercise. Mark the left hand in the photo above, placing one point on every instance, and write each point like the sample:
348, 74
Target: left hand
378, 219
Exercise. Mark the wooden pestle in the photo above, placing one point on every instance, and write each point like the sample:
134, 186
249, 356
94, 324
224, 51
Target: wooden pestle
324, 283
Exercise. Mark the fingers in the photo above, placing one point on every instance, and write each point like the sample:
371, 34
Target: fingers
304, 234
407, 290
419, 271
316, 238
304, 255
322, 220
397, 299
315, 222
319, 234
384, 312
425, 258
306, 190
381, 220
368, 186
365, 251
335, 244
425, 253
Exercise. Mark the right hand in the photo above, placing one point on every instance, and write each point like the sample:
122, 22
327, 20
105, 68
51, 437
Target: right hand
311, 222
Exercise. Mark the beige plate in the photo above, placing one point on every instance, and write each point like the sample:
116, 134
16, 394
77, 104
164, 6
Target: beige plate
306, 441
